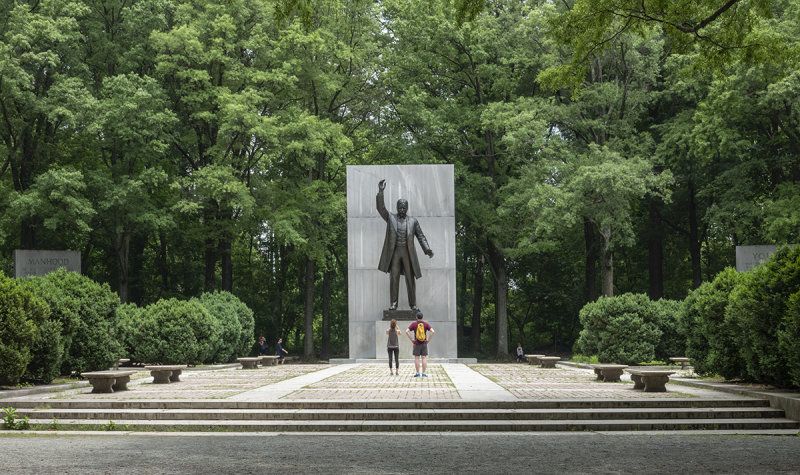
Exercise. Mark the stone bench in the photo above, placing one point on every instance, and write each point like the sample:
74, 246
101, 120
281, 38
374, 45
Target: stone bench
548, 361
651, 380
683, 361
533, 359
608, 372
108, 381
165, 374
249, 363
269, 360
119, 362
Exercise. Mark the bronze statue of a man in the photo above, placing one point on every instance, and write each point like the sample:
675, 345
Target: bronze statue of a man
399, 255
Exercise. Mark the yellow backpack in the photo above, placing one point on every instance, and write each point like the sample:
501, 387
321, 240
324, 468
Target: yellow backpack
420, 333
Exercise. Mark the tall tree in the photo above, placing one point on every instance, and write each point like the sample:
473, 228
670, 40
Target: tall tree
43, 98
455, 92
218, 69
331, 56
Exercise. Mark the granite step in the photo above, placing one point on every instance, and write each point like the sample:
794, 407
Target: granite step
669, 403
401, 415
738, 424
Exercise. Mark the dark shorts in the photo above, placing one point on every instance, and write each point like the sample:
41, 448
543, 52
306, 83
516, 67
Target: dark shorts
421, 350
281, 356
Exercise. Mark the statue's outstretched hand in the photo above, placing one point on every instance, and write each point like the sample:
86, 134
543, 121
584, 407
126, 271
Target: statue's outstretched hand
382, 185
429, 253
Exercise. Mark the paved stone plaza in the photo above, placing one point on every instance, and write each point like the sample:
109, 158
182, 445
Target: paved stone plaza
450, 381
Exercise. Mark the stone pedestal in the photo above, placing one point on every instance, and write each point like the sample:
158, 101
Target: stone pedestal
381, 338
407, 315
429, 190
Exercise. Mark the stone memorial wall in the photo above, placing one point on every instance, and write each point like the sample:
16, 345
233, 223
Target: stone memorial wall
38, 262
748, 257
429, 190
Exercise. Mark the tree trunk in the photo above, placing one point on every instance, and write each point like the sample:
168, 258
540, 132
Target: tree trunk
210, 219
163, 269
655, 256
122, 241
308, 339
326, 315
280, 286
521, 329
694, 239
498, 263
477, 303
590, 269
226, 263
135, 266
462, 302
211, 264
606, 264
27, 234
298, 323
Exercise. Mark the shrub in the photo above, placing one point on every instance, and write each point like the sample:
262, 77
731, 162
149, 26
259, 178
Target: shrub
759, 308
673, 340
175, 332
620, 329
87, 313
711, 339
21, 313
129, 318
49, 351
236, 325
789, 339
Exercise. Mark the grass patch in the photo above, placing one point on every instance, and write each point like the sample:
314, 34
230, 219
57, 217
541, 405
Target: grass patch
592, 359
71, 386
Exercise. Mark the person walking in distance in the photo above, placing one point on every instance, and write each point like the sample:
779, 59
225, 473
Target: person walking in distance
393, 347
279, 350
420, 334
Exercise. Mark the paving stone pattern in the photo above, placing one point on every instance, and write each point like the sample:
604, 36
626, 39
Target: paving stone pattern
372, 381
533, 382
216, 384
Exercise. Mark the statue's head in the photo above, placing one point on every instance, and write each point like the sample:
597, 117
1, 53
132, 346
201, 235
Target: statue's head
402, 207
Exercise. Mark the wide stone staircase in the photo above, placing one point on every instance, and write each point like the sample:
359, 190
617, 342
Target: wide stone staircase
740, 416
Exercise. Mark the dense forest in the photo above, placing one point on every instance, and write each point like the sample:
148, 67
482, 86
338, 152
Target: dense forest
599, 146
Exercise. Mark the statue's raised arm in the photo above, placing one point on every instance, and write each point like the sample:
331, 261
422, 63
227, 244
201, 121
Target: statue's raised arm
379, 201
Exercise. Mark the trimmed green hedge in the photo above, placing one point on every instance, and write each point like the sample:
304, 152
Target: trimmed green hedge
622, 329
48, 353
236, 325
673, 339
175, 332
759, 307
711, 339
789, 338
87, 312
21, 314
129, 319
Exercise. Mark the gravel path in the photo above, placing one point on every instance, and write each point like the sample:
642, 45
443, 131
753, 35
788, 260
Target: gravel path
397, 453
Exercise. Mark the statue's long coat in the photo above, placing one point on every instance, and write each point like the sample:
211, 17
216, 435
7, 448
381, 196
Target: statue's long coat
390, 241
